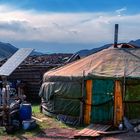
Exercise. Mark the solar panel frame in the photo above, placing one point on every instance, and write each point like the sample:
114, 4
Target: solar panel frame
14, 61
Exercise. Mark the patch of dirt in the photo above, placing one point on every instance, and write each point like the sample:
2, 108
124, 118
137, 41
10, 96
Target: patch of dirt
125, 136
55, 134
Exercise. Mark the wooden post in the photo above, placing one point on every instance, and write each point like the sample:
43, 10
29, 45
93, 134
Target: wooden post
87, 111
118, 103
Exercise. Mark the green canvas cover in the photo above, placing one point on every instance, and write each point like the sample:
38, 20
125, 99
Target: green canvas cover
62, 97
102, 101
69, 107
132, 99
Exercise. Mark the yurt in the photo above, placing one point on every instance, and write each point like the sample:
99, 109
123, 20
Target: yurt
100, 88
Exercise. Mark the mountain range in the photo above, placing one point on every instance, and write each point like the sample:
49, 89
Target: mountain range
6, 49
83, 53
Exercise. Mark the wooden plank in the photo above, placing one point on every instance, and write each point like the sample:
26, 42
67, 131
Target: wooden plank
113, 132
37, 119
86, 129
92, 130
101, 128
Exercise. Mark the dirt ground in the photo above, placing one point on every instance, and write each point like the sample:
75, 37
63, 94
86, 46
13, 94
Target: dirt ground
68, 133
125, 136
52, 129
55, 134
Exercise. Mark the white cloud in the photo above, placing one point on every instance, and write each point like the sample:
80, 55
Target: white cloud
121, 10
66, 27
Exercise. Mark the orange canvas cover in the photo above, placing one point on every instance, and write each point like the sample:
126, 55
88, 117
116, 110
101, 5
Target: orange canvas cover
106, 63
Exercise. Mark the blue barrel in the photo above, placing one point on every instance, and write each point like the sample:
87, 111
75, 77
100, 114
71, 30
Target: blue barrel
25, 111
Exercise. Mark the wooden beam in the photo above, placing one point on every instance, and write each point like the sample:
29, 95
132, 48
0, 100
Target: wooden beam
118, 104
87, 112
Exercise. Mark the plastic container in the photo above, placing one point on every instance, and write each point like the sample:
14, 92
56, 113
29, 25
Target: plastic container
25, 112
28, 124
121, 126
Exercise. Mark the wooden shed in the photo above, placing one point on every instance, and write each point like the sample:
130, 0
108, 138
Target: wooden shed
31, 76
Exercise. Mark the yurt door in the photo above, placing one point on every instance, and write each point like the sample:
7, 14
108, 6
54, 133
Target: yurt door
102, 101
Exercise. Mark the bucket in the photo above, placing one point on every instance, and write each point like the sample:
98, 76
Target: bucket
25, 111
28, 124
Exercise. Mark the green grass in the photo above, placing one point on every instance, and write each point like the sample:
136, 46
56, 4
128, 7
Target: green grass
49, 122
35, 108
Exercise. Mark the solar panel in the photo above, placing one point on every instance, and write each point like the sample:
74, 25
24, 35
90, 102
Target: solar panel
13, 62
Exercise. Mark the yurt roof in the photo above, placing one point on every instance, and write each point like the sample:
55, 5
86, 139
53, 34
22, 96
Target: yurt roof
111, 62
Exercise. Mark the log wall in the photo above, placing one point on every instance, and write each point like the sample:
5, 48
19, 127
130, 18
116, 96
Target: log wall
32, 76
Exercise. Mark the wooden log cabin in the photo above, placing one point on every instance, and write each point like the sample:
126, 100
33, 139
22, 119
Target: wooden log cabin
31, 76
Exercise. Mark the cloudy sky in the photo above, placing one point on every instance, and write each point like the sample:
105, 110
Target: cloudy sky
52, 26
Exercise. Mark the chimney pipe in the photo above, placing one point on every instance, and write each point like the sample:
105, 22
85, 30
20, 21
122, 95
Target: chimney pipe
116, 35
